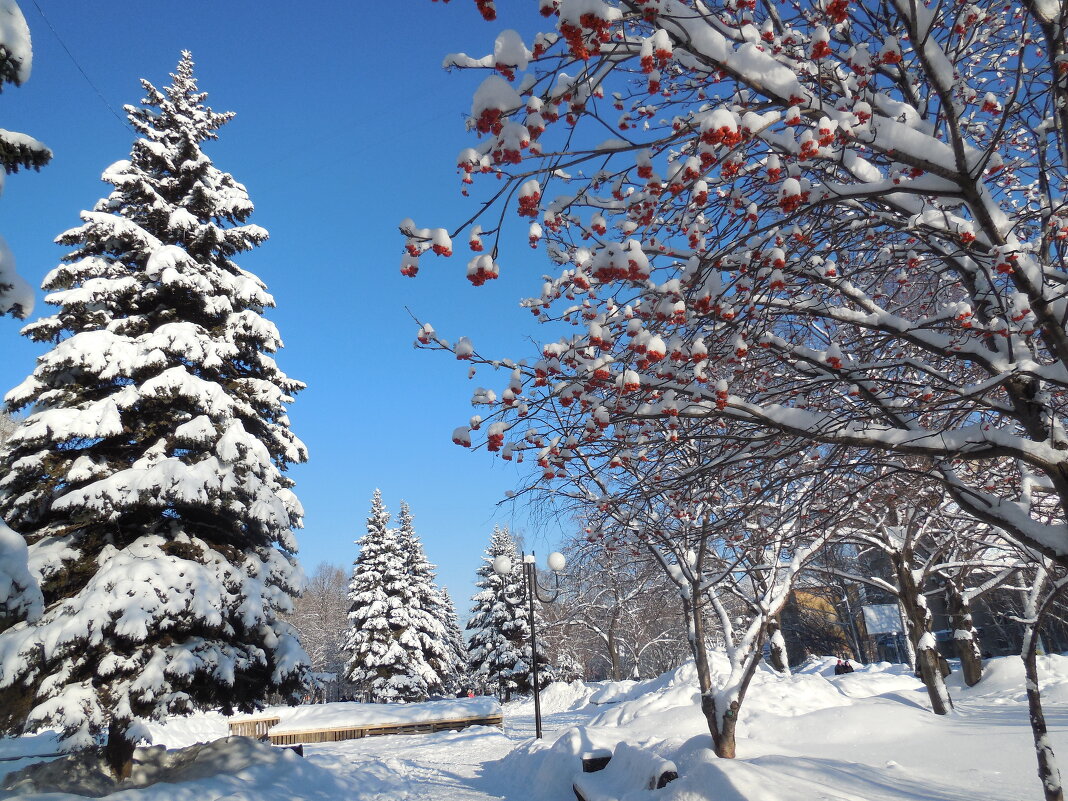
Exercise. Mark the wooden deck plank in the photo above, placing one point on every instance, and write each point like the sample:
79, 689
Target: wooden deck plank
253, 727
340, 733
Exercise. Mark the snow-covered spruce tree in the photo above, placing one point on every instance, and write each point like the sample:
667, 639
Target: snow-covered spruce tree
20, 596
385, 657
17, 151
458, 657
148, 477
499, 647
425, 607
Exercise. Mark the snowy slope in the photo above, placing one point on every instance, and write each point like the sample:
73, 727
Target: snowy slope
867, 735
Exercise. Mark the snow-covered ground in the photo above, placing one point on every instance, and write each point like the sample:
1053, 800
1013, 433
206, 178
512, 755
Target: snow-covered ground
866, 735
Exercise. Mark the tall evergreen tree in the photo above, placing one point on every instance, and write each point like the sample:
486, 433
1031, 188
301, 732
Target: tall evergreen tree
17, 150
385, 651
499, 649
425, 608
458, 658
148, 478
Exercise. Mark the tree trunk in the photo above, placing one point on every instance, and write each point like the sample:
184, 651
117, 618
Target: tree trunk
722, 739
910, 650
1048, 773
723, 743
119, 751
964, 634
779, 659
921, 637
721, 727
613, 657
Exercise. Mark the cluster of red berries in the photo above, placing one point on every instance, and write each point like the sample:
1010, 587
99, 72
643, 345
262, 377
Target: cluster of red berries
586, 38
838, 10
528, 204
489, 121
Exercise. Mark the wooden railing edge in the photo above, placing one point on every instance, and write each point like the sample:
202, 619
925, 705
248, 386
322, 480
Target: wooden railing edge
263, 727
285, 737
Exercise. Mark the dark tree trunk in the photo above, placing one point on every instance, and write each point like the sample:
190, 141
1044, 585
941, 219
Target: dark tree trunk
1048, 773
119, 751
918, 620
779, 659
722, 741
723, 734
613, 657
964, 634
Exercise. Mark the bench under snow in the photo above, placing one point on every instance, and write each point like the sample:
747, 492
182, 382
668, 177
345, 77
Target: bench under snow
347, 720
628, 769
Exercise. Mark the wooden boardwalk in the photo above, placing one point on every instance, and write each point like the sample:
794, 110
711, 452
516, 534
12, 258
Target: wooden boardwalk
261, 728
252, 727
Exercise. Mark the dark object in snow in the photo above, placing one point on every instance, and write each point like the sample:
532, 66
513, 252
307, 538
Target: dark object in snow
842, 667
296, 749
598, 759
626, 770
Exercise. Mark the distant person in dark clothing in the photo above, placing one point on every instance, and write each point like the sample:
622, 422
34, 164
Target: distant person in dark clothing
842, 667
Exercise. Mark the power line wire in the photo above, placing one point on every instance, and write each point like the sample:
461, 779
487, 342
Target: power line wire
78, 66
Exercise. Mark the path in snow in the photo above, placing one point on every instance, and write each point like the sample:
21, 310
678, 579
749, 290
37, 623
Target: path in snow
447, 766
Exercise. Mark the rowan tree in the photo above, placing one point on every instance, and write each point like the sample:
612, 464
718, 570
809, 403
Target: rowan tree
860, 204
841, 221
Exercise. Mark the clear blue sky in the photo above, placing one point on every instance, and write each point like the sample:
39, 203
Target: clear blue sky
346, 124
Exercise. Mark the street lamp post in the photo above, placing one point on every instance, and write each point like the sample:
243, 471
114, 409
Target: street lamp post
502, 566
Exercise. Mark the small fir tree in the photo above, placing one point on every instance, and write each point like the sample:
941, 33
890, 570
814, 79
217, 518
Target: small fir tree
499, 649
567, 668
147, 479
385, 652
